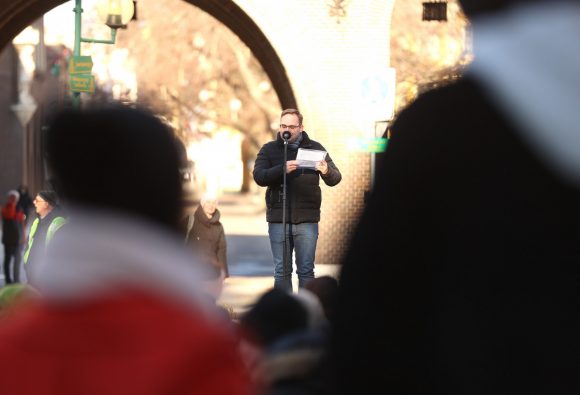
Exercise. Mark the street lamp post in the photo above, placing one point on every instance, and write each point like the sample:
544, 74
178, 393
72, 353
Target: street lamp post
115, 14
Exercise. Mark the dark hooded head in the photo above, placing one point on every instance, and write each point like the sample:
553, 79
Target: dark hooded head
117, 159
275, 315
474, 8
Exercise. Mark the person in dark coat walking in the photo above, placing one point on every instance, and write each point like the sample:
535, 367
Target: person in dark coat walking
207, 235
463, 274
303, 199
24, 202
12, 237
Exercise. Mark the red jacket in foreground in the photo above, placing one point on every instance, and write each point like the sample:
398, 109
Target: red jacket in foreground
121, 313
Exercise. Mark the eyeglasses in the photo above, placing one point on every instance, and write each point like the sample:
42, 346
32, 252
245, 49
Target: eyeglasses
291, 127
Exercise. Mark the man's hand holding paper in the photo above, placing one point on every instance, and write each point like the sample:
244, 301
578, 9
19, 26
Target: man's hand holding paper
291, 165
322, 167
311, 158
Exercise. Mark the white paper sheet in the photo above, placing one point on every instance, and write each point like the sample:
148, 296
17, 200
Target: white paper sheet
309, 157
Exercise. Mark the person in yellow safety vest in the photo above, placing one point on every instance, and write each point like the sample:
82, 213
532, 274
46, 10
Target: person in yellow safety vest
48, 221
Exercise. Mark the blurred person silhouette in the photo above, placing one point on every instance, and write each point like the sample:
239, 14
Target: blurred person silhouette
14, 298
49, 219
213, 285
24, 201
12, 237
214, 282
326, 290
283, 342
462, 276
206, 234
303, 198
123, 309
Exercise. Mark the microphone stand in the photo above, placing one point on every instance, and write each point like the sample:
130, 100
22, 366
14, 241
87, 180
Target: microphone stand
285, 248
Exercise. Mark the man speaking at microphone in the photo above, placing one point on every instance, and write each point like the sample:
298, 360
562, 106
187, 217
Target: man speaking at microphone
303, 198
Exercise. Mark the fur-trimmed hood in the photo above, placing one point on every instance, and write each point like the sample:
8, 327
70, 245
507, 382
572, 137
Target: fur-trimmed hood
98, 253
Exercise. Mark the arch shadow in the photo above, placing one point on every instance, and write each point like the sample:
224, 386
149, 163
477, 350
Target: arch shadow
18, 14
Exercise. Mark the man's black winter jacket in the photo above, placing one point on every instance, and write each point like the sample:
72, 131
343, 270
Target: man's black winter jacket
303, 197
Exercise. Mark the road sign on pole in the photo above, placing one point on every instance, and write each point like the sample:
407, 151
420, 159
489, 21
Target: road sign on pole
80, 65
82, 83
366, 144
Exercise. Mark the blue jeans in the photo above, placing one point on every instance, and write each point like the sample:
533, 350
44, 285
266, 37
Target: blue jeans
302, 240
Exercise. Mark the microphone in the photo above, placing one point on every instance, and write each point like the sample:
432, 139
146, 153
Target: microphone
286, 135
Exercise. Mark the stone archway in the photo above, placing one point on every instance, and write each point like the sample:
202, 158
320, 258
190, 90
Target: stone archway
231, 15
20, 13
328, 62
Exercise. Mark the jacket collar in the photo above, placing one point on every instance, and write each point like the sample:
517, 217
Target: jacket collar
55, 212
200, 216
306, 142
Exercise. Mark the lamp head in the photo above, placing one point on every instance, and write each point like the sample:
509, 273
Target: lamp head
115, 13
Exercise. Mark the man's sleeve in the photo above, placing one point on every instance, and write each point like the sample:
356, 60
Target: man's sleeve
222, 250
333, 176
264, 173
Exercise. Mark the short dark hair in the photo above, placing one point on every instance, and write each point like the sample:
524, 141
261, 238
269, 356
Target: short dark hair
116, 157
49, 197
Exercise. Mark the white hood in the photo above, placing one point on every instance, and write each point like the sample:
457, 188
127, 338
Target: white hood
96, 254
529, 60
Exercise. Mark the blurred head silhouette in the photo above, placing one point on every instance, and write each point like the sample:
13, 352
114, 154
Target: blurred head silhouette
16, 296
473, 8
276, 314
326, 289
116, 158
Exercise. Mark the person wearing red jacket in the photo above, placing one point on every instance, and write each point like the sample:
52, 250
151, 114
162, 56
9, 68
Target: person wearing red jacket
12, 237
122, 309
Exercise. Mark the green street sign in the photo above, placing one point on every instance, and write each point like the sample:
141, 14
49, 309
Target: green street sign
82, 83
366, 144
80, 65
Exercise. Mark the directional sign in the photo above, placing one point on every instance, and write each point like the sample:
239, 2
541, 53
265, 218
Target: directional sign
82, 83
377, 93
80, 65
371, 144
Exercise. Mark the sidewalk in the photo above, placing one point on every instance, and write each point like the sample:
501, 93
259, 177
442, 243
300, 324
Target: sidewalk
240, 292
249, 255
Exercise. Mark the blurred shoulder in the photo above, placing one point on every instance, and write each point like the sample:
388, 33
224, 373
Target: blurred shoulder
439, 112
